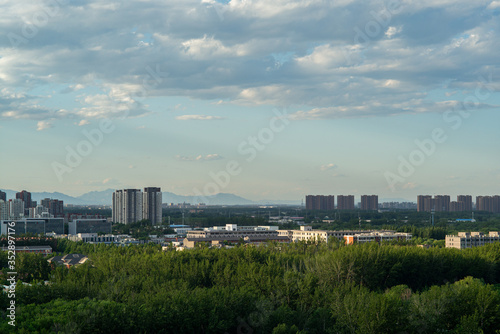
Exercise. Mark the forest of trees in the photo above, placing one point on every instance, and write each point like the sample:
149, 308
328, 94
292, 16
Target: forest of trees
276, 288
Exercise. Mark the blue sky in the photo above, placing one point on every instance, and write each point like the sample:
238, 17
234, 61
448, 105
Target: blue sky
336, 95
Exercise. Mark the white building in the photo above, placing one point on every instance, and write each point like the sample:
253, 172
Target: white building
95, 238
306, 233
4, 210
38, 212
182, 230
127, 206
16, 208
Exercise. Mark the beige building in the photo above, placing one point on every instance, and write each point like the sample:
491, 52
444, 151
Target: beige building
307, 233
471, 239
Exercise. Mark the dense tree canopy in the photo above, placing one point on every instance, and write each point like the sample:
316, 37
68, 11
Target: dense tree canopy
277, 288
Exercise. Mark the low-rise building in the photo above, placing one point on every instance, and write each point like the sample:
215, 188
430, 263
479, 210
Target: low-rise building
306, 233
94, 238
182, 230
68, 260
45, 250
233, 233
22, 226
89, 226
376, 236
471, 239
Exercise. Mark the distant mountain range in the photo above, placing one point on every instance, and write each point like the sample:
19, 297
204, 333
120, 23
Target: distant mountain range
104, 197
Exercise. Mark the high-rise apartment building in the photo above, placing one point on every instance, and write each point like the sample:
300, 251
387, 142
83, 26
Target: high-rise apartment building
320, 202
3, 196
54, 206
4, 210
127, 206
369, 202
424, 203
467, 200
442, 203
496, 204
345, 202
151, 205
457, 206
25, 196
16, 208
488, 203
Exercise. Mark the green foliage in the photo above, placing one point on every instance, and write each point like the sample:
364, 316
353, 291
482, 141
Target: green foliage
302, 287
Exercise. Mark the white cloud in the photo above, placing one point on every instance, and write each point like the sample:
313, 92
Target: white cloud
197, 118
43, 125
494, 5
391, 31
200, 157
83, 122
328, 167
245, 52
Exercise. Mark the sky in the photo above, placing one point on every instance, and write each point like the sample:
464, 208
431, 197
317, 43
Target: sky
263, 99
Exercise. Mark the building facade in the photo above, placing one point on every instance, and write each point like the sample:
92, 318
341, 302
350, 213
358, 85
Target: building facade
471, 239
151, 205
89, 226
320, 202
55, 207
488, 203
127, 206
16, 208
345, 202
369, 202
306, 233
233, 233
466, 200
4, 210
376, 236
22, 226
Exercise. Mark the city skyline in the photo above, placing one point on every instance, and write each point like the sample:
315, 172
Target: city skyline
198, 98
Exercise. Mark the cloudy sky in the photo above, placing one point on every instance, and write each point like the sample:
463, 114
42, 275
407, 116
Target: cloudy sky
264, 99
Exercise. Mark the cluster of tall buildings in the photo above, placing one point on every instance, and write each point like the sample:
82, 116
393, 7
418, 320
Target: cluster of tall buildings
132, 205
344, 202
488, 203
440, 203
23, 206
